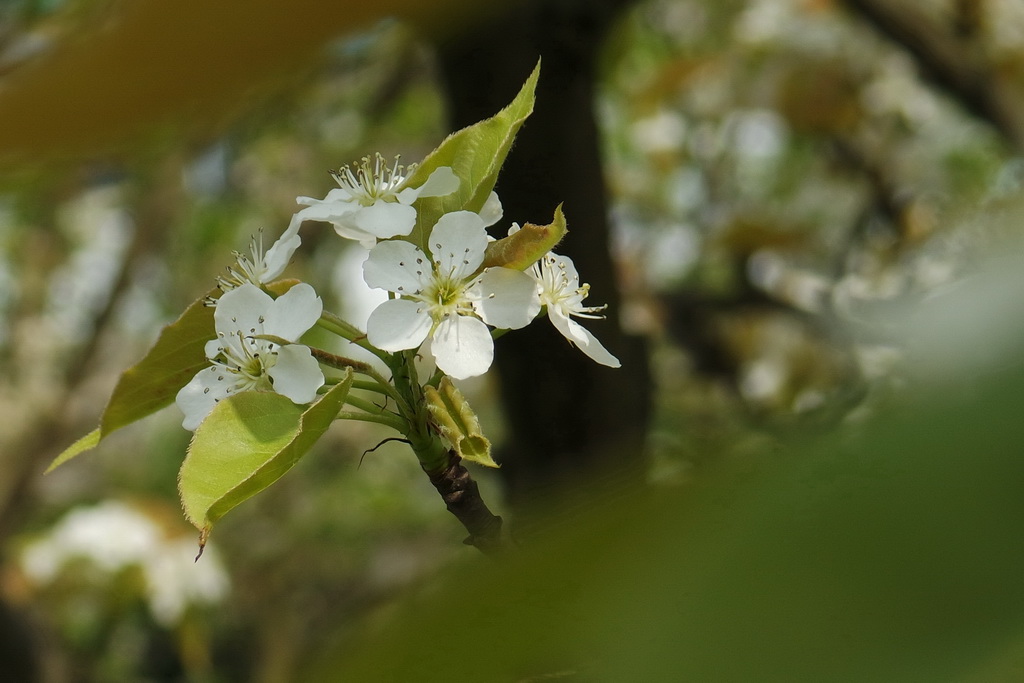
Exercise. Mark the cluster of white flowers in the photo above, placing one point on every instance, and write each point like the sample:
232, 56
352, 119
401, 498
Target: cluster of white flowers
441, 295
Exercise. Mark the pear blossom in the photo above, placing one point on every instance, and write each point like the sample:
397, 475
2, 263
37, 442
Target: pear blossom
241, 361
263, 267
492, 211
444, 299
373, 201
558, 285
112, 536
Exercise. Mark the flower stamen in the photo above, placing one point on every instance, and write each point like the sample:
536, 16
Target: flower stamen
368, 184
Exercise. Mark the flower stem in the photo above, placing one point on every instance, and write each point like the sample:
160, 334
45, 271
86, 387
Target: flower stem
387, 420
381, 385
340, 362
332, 323
370, 386
370, 407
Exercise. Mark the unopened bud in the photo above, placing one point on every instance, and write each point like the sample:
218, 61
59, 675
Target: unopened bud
522, 249
451, 414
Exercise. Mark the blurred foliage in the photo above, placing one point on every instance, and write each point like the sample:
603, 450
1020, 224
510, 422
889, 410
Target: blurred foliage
892, 555
788, 188
780, 174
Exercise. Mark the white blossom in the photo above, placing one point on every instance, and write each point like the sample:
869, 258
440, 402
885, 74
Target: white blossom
444, 298
492, 211
263, 267
240, 361
111, 536
558, 285
373, 201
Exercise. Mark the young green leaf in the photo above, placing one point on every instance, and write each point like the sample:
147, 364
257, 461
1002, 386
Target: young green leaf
522, 249
475, 154
246, 444
86, 443
152, 383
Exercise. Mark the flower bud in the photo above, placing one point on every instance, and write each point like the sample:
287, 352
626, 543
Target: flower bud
522, 249
452, 416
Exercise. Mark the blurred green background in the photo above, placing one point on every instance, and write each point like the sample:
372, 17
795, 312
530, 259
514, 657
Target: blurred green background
804, 214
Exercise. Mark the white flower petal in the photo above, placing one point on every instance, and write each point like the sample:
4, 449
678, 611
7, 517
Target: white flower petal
277, 257
213, 348
582, 338
397, 266
425, 363
398, 324
293, 313
296, 374
385, 219
507, 298
241, 309
338, 214
463, 347
441, 182
197, 398
568, 268
336, 204
242, 314
234, 346
338, 208
492, 212
347, 230
458, 242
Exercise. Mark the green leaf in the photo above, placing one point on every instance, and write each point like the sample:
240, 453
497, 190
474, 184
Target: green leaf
246, 444
475, 154
173, 361
894, 555
153, 382
86, 443
521, 250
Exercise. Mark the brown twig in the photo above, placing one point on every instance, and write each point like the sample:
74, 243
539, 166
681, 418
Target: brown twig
461, 495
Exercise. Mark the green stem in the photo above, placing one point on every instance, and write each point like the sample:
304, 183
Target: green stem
339, 362
332, 323
370, 386
425, 443
410, 364
388, 420
391, 390
382, 385
368, 406
427, 446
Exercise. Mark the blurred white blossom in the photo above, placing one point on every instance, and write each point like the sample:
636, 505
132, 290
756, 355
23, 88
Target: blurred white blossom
113, 536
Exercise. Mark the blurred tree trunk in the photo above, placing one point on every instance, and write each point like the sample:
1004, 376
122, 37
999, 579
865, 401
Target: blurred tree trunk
567, 416
17, 648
